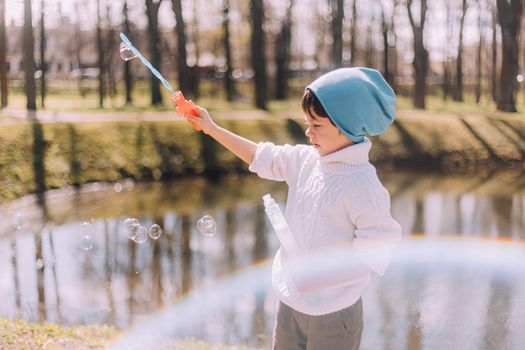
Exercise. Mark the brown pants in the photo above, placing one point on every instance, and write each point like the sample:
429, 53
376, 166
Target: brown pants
339, 330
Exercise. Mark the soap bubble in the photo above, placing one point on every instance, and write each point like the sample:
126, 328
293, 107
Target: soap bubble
129, 185
178, 159
155, 231
18, 220
86, 243
125, 52
141, 235
86, 229
117, 187
206, 225
130, 227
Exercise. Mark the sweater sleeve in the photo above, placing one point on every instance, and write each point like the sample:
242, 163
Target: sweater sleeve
276, 162
377, 233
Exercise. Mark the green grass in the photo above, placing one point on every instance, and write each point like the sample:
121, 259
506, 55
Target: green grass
18, 334
65, 97
64, 154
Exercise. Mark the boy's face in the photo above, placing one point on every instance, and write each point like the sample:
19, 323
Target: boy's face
324, 136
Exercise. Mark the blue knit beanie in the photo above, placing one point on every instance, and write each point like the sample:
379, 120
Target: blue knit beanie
358, 100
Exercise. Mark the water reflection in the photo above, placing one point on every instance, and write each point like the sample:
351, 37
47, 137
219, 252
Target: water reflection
439, 292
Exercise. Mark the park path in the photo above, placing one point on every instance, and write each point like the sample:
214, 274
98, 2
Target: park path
14, 116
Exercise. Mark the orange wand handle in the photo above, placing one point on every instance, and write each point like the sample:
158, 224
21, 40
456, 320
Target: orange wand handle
185, 107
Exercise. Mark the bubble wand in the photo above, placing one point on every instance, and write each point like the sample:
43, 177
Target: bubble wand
184, 107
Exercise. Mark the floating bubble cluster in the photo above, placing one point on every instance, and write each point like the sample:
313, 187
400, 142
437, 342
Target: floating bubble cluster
207, 225
134, 230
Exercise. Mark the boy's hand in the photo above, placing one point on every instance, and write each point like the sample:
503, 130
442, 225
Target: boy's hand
203, 120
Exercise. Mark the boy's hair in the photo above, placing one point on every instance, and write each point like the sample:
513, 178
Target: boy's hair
310, 102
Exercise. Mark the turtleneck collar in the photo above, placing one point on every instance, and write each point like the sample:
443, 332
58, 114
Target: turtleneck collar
356, 154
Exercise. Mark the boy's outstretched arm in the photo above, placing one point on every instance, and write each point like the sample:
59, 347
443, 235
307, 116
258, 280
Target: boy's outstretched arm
240, 146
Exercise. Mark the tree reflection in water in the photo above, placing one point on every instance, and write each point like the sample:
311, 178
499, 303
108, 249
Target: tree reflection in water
435, 302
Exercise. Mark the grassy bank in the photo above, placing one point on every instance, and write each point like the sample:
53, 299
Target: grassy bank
34, 156
15, 335
26, 335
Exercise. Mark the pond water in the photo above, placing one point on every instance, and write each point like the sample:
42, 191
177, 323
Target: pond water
457, 279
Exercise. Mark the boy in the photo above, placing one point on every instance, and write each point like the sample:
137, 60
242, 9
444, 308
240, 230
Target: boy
337, 209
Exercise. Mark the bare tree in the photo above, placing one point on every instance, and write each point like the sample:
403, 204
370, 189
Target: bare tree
127, 65
100, 49
29, 60
258, 53
494, 80
337, 31
509, 17
389, 42
152, 12
479, 53
182, 64
78, 46
229, 84
458, 92
446, 54
43, 64
111, 81
420, 62
282, 54
384, 34
195, 81
3, 58
369, 46
320, 29
353, 35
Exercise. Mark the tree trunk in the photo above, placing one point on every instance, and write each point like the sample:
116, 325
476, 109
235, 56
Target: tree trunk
494, 79
3, 58
320, 26
458, 93
420, 62
282, 55
195, 78
393, 47
152, 11
258, 53
353, 33
509, 16
78, 47
229, 85
100, 48
369, 47
446, 70
43, 64
29, 63
127, 69
479, 54
384, 32
337, 32
110, 44
182, 65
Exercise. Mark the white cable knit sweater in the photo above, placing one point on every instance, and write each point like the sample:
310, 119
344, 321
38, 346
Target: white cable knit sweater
336, 209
